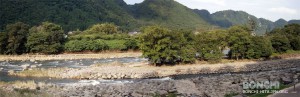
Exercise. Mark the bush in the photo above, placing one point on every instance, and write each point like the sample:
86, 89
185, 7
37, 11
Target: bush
85, 45
116, 44
74, 46
131, 44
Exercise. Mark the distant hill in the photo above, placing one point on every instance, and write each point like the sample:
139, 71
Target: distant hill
81, 14
228, 18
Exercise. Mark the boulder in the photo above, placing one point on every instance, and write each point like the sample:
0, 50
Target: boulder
32, 60
33, 66
286, 80
25, 66
11, 71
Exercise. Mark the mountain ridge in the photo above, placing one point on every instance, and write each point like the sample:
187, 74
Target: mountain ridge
81, 14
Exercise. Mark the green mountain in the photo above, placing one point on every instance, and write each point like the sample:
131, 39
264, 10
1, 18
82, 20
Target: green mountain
81, 14
71, 14
167, 13
228, 18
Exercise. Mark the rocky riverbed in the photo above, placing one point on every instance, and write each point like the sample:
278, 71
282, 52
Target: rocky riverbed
201, 85
143, 70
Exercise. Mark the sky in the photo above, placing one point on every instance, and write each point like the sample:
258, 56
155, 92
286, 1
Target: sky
268, 9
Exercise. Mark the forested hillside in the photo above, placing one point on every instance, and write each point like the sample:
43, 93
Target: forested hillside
75, 15
71, 14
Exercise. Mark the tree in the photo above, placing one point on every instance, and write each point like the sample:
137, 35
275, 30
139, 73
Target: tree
209, 45
280, 43
162, 46
17, 37
3, 39
289, 34
185, 40
239, 42
106, 28
46, 38
260, 47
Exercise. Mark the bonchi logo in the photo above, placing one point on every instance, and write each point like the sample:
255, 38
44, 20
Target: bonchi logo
262, 87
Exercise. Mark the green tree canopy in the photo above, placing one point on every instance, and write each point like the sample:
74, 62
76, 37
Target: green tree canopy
162, 46
46, 38
260, 47
209, 45
3, 39
105, 28
239, 41
17, 37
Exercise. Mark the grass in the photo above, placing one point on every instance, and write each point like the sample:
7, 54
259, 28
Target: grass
21, 89
287, 54
23, 93
231, 94
37, 72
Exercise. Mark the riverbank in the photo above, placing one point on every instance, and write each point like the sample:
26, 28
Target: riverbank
69, 56
202, 85
117, 70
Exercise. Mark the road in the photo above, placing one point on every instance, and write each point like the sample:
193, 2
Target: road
291, 92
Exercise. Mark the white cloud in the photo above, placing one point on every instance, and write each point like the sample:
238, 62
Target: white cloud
216, 2
283, 10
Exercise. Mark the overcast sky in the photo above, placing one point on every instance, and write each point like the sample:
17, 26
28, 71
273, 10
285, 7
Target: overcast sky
269, 9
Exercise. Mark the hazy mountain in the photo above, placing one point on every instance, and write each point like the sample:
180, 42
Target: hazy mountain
294, 21
280, 23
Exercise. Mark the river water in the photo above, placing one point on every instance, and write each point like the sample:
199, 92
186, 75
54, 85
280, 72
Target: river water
5, 66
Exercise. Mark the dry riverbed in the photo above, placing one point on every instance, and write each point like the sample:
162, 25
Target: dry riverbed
68, 56
143, 70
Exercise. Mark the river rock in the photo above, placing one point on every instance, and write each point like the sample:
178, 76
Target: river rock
33, 66
286, 80
25, 66
11, 71
32, 60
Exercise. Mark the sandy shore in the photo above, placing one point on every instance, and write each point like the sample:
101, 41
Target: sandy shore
68, 56
143, 70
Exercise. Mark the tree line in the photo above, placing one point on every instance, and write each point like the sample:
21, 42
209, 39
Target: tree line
50, 38
159, 44
164, 46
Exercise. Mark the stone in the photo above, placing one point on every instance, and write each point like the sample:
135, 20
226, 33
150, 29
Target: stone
11, 71
25, 66
286, 80
33, 66
32, 60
